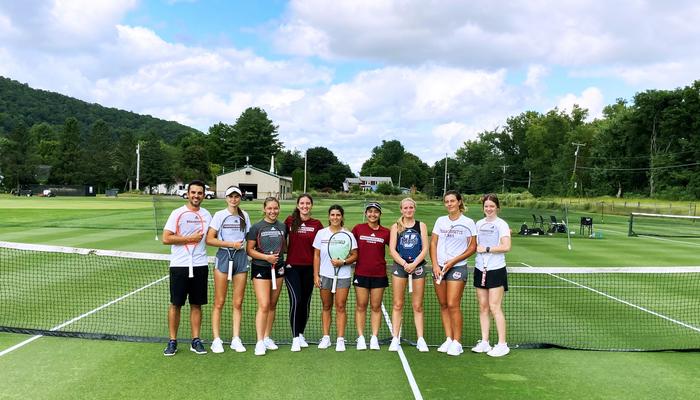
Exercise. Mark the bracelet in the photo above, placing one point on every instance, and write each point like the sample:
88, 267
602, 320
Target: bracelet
488, 249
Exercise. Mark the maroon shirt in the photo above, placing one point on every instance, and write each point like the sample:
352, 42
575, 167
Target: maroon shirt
371, 245
300, 250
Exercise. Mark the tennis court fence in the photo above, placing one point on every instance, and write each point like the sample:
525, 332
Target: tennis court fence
65, 291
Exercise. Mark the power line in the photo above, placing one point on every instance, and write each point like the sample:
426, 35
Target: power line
643, 169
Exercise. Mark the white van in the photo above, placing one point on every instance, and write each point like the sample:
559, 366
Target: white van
208, 194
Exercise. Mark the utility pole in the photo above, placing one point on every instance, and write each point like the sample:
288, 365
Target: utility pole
138, 165
306, 153
444, 187
573, 174
503, 183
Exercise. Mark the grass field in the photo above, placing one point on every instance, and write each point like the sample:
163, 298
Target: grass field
70, 368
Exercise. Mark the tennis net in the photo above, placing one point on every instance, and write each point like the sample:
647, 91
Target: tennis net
644, 224
65, 291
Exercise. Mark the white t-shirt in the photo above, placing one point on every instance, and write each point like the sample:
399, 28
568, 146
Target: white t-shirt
444, 227
493, 260
179, 254
321, 243
220, 215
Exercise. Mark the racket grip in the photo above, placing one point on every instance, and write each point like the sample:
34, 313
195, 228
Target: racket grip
190, 269
230, 269
274, 278
335, 284
439, 279
410, 283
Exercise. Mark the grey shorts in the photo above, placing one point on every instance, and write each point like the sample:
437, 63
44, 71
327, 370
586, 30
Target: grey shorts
456, 273
240, 261
399, 272
327, 283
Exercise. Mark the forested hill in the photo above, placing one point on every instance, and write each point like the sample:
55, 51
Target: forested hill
21, 103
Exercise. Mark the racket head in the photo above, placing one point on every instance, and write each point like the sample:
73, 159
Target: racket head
457, 240
270, 239
409, 244
488, 235
230, 229
339, 245
188, 223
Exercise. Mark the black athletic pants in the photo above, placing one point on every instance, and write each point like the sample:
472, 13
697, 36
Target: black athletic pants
300, 286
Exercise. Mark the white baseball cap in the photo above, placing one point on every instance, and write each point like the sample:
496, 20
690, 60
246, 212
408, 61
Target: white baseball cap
233, 189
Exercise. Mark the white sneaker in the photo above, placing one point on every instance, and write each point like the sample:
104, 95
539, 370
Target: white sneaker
361, 344
296, 346
421, 345
217, 346
340, 344
455, 348
445, 345
237, 345
499, 350
325, 342
270, 344
482, 346
302, 341
395, 344
373, 343
260, 348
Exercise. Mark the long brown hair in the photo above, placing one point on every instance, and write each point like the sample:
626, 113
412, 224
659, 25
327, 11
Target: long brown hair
296, 214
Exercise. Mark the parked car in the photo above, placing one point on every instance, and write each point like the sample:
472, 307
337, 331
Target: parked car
248, 196
208, 194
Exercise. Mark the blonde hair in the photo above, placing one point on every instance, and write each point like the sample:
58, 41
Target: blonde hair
399, 222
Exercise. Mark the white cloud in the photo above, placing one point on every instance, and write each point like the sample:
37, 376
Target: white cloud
591, 99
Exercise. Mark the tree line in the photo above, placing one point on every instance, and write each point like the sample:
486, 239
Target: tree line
649, 146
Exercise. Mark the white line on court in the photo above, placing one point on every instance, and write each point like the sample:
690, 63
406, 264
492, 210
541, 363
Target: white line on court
404, 362
72, 320
654, 313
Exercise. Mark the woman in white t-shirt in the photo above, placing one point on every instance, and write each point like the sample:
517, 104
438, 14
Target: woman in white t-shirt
490, 275
227, 232
324, 271
450, 245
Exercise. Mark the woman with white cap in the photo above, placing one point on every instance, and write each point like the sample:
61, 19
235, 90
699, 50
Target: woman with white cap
231, 254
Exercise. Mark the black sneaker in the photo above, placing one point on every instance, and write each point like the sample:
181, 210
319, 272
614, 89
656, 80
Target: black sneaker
197, 346
171, 349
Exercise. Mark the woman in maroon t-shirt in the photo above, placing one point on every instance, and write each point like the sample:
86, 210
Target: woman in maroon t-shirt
370, 273
299, 275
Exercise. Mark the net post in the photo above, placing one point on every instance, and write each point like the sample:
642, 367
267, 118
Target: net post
630, 232
155, 216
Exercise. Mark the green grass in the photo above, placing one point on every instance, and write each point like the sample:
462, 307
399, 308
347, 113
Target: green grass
69, 368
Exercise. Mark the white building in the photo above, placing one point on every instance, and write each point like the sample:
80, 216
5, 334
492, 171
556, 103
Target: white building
254, 180
366, 183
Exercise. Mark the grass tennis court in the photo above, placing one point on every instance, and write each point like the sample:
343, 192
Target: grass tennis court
69, 368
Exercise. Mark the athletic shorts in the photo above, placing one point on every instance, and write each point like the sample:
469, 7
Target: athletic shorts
456, 273
371, 282
182, 287
398, 271
494, 278
259, 272
240, 261
327, 283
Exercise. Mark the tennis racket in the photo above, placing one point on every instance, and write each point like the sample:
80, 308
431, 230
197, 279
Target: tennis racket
487, 236
339, 246
230, 231
409, 247
190, 223
454, 242
271, 241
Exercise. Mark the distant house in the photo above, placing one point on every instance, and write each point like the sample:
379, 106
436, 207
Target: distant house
253, 180
366, 183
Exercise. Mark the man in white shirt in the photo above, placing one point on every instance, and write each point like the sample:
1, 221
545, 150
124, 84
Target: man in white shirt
188, 265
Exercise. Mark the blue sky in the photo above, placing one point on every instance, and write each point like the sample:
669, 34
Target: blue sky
348, 74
